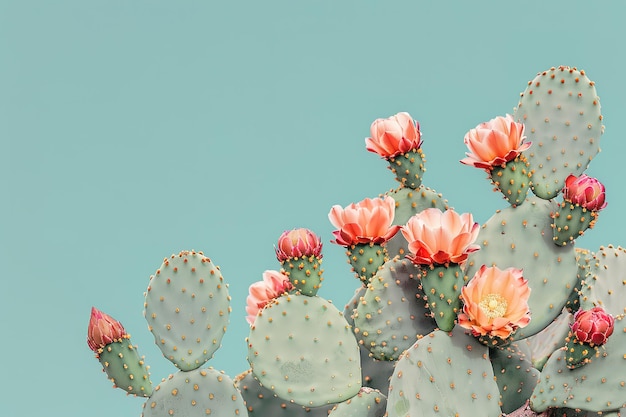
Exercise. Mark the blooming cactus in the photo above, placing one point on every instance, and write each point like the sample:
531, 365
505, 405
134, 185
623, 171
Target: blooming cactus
260, 293
494, 143
103, 330
585, 191
593, 326
437, 237
368, 221
394, 136
495, 302
298, 243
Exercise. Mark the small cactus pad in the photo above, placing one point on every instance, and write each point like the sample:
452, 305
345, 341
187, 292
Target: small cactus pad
442, 286
541, 345
521, 237
409, 168
366, 260
125, 368
187, 308
304, 350
561, 113
392, 314
512, 180
201, 392
408, 203
447, 374
367, 403
263, 402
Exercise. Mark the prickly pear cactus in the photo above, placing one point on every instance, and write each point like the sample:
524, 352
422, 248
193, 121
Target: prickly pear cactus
526, 322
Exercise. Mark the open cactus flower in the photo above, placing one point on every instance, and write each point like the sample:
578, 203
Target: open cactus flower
465, 319
119, 358
589, 331
496, 146
299, 251
495, 304
363, 228
439, 243
260, 293
583, 198
398, 139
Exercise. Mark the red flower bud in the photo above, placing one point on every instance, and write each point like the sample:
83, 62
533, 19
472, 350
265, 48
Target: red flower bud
298, 243
103, 329
593, 326
585, 191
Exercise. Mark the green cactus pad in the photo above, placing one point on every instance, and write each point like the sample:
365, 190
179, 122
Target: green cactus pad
392, 313
560, 110
521, 237
304, 273
200, 392
366, 260
570, 222
125, 368
408, 203
515, 375
263, 402
409, 168
304, 350
187, 308
375, 373
367, 403
512, 180
447, 374
605, 283
442, 286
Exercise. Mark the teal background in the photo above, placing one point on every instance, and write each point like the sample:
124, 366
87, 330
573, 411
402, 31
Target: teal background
131, 130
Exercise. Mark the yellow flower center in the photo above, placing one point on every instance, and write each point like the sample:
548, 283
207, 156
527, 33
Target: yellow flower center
493, 305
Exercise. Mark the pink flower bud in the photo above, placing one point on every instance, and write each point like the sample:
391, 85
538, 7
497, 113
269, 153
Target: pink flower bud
298, 243
593, 326
103, 330
585, 191
394, 136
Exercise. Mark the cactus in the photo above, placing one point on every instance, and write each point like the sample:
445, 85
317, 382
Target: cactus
449, 317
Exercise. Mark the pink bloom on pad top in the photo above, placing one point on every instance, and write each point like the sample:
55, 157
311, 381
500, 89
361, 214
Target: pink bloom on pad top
394, 136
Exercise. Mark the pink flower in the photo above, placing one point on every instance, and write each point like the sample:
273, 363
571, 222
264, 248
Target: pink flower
585, 191
593, 326
369, 221
298, 243
103, 330
437, 237
274, 284
495, 302
494, 143
394, 136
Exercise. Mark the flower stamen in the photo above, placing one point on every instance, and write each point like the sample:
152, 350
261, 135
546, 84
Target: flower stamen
493, 305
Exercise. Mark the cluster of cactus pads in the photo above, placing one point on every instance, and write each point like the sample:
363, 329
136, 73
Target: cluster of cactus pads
448, 318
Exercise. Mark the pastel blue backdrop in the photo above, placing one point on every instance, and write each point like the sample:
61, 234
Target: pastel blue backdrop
131, 130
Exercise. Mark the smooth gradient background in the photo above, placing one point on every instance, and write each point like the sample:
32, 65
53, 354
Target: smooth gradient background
131, 130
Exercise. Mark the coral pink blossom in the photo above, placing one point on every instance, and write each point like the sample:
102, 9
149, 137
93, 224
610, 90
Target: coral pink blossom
103, 330
274, 284
593, 326
494, 143
369, 221
394, 136
495, 302
298, 243
437, 237
585, 191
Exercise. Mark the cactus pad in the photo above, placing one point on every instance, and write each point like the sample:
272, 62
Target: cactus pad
446, 374
391, 314
187, 308
561, 113
304, 350
195, 393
